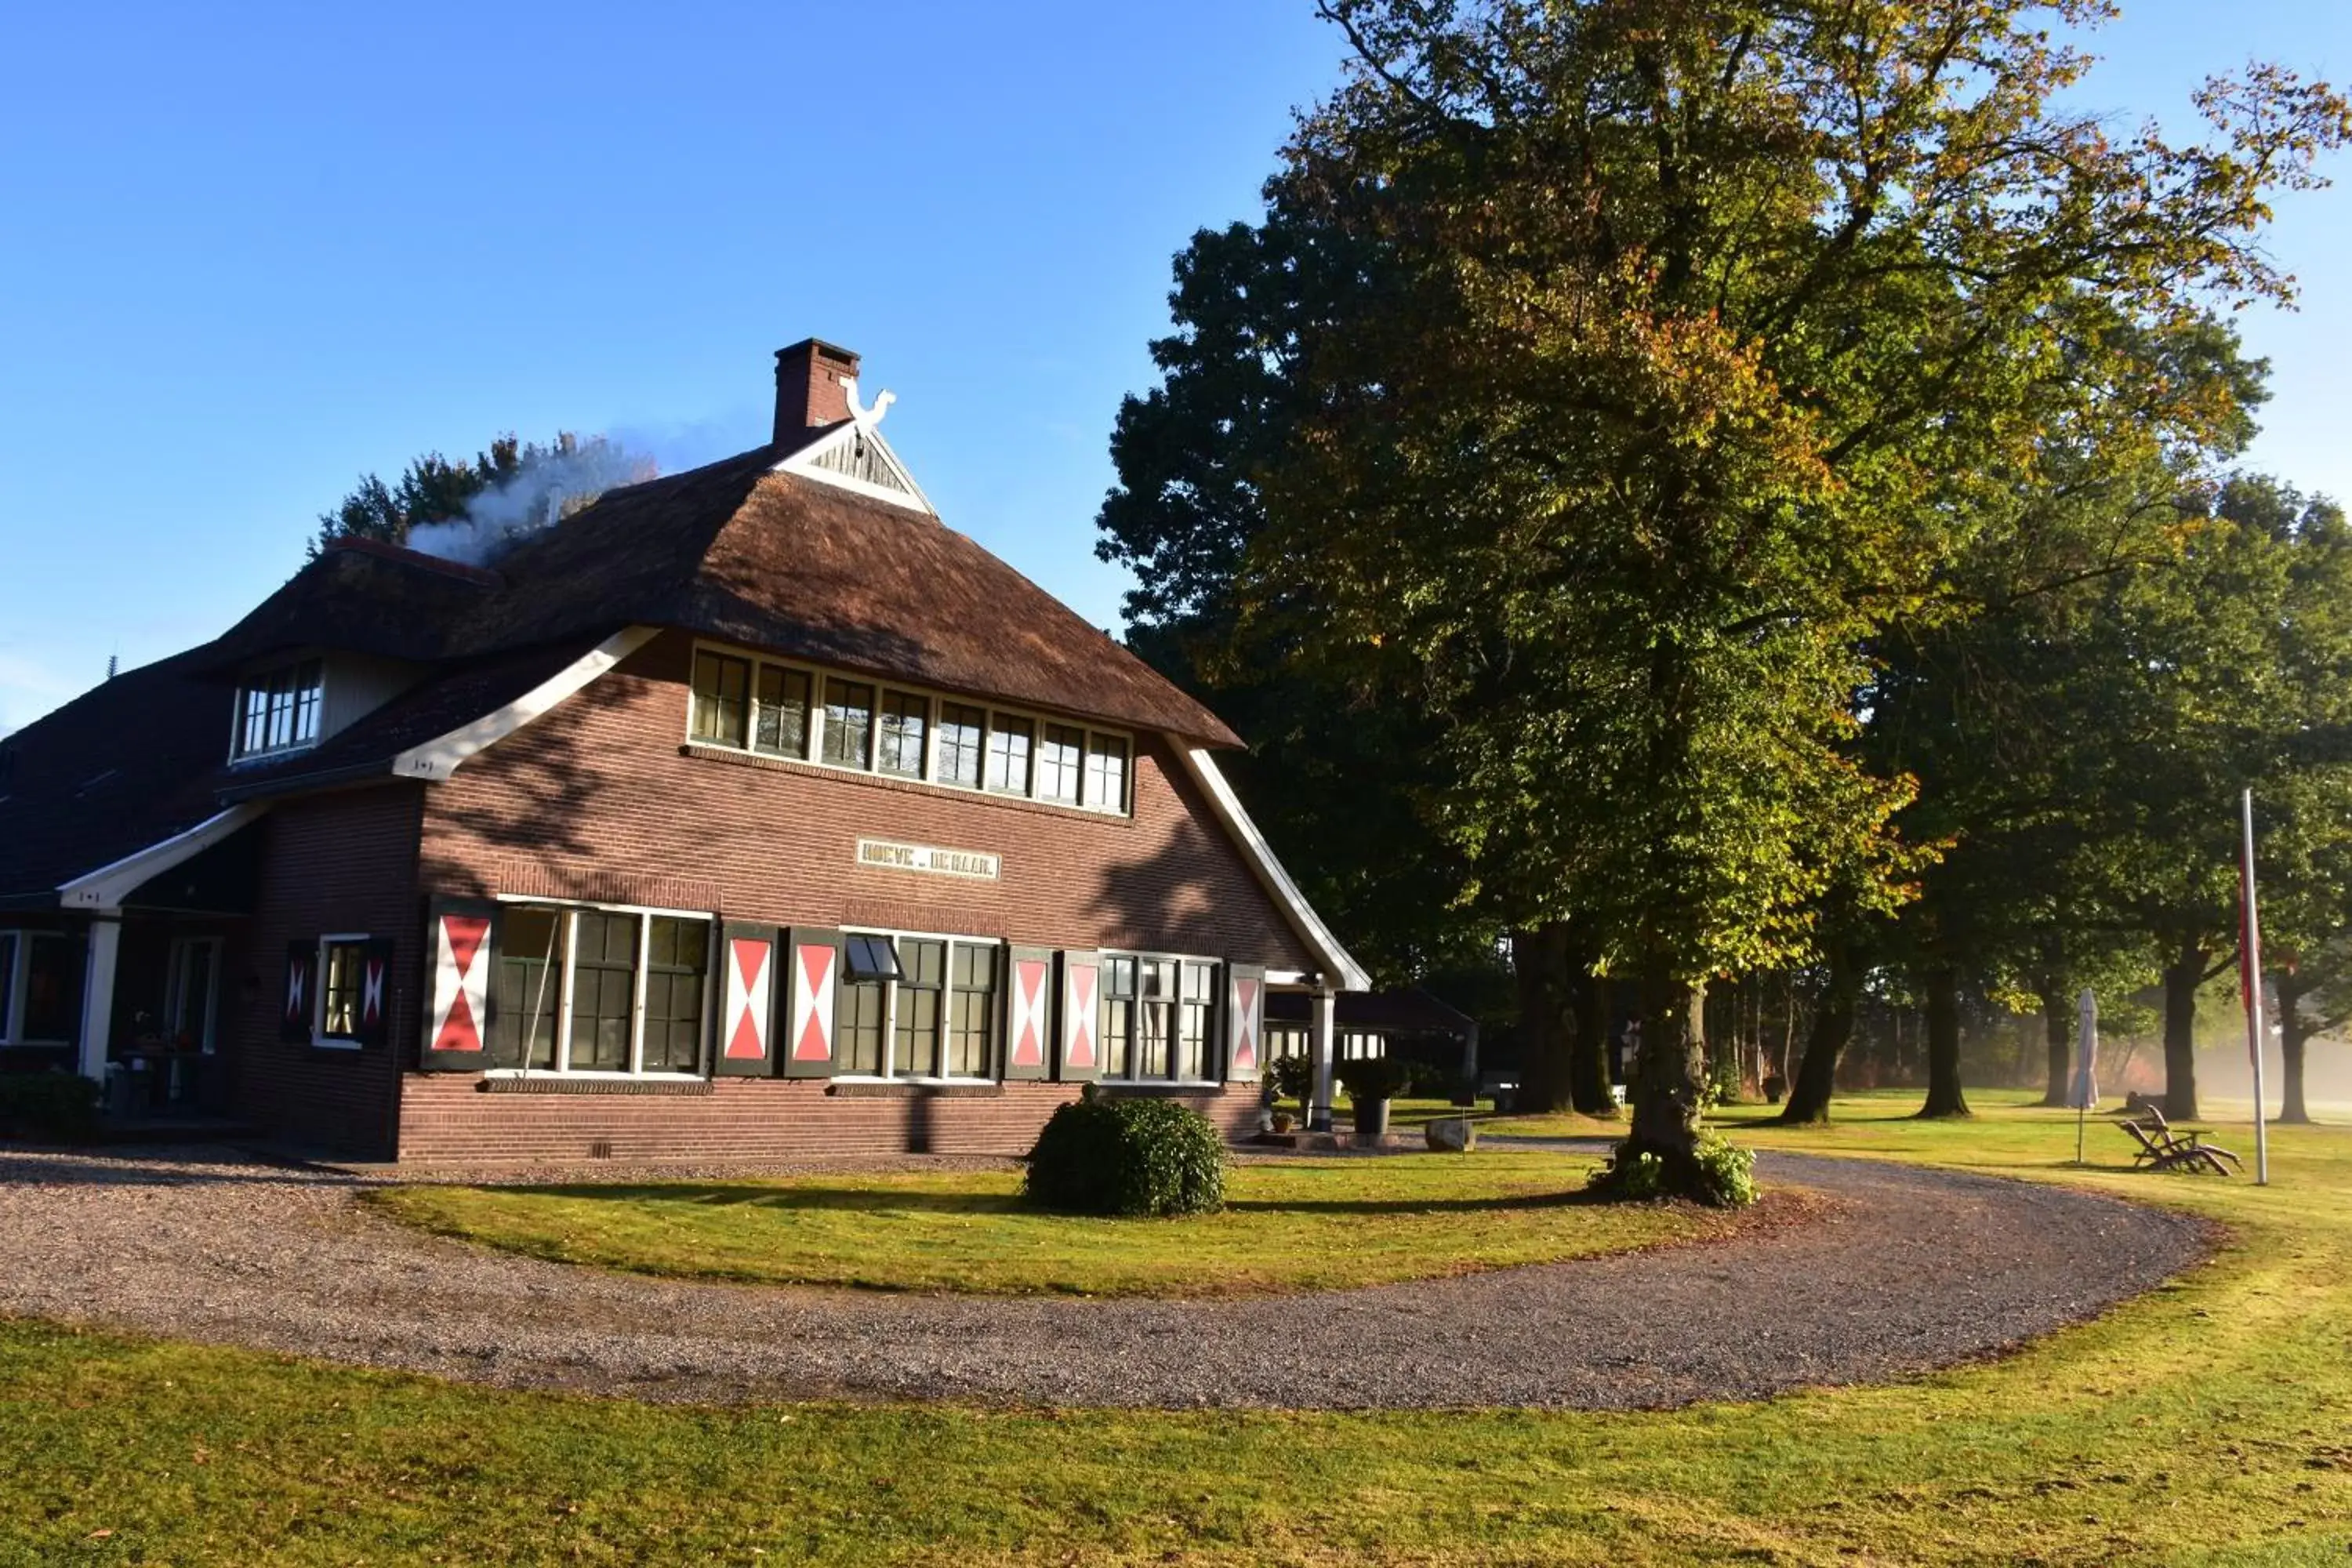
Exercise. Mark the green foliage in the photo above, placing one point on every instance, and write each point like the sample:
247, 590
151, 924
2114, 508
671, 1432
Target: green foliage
432, 489
50, 1106
1293, 1077
1374, 1078
1129, 1157
1716, 1172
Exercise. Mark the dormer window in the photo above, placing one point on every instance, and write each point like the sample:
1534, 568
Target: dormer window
279, 711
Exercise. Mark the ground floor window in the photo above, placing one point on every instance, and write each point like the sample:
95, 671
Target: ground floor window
1155, 1018
1359, 1046
342, 962
40, 988
599, 990
917, 1007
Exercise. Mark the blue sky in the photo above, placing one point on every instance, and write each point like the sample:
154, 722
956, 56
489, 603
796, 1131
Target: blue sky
249, 252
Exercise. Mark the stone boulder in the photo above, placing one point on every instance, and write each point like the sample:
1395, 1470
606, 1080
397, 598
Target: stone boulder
1453, 1134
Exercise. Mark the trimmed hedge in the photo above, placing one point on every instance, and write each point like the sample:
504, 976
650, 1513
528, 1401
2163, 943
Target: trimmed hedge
1130, 1157
62, 1106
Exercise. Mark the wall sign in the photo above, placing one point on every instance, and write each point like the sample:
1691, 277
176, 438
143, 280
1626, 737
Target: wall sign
967, 863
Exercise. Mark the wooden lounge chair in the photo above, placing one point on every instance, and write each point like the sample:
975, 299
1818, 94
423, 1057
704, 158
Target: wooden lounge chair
2164, 1148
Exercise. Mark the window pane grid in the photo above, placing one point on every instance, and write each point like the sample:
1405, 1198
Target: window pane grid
1105, 774
848, 723
604, 990
338, 1013
1061, 765
1010, 743
722, 693
961, 739
678, 960
781, 723
281, 710
904, 718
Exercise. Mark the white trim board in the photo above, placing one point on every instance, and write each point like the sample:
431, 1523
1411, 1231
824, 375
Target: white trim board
437, 759
106, 888
1345, 974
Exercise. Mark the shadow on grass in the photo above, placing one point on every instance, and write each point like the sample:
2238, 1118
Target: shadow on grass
884, 1200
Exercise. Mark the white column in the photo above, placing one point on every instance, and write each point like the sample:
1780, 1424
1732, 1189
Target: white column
1318, 1110
98, 993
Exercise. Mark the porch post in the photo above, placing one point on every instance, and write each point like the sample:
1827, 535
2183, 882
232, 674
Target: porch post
1318, 1110
98, 991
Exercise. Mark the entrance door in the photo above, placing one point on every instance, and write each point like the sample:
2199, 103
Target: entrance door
189, 999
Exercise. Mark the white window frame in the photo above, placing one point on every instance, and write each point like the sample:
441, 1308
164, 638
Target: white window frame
933, 700
175, 985
1211, 1042
236, 752
20, 982
947, 995
320, 1039
571, 909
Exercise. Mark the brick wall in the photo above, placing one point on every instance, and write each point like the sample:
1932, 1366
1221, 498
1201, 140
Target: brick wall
598, 800
342, 862
601, 800
446, 1119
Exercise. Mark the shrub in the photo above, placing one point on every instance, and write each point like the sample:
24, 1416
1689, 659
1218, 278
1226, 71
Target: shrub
50, 1105
1133, 1157
1375, 1077
1293, 1077
1719, 1173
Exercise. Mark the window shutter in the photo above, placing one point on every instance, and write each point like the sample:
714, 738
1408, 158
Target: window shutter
1080, 1057
375, 991
812, 973
460, 950
1245, 1022
1029, 1013
746, 1018
299, 1000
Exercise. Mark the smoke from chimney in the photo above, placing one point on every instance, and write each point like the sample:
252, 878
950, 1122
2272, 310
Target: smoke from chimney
550, 488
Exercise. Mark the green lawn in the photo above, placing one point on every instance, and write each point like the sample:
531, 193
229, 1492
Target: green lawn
1289, 1225
2210, 1423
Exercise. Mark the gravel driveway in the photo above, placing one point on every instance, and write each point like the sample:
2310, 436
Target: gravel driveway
1901, 1269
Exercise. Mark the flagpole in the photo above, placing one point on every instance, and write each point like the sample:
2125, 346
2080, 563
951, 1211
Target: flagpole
2250, 961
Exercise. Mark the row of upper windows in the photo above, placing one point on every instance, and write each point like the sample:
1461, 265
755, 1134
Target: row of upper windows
780, 711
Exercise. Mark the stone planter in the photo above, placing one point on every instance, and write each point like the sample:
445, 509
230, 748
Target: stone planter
1372, 1117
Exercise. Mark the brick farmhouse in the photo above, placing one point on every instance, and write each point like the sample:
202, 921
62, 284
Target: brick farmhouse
749, 812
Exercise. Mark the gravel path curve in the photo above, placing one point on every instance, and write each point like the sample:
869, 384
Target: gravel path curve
1901, 1269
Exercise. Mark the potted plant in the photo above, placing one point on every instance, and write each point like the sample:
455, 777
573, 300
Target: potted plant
1371, 1082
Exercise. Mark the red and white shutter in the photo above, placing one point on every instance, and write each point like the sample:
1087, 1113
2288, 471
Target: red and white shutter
1080, 1058
297, 998
374, 1027
460, 950
1029, 1013
747, 1014
813, 977
1245, 1022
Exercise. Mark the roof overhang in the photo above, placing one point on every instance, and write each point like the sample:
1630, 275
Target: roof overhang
1340, 971
106, 888
438, 758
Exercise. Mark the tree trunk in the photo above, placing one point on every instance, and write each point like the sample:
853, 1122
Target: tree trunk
1547, 1030
2293, 1033
2060, 1090
1588, 1059
2182, 976
1809, 1096
1671, 1077
1944, 1095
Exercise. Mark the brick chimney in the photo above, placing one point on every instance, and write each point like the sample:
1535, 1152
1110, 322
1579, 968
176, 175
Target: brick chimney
809, 388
